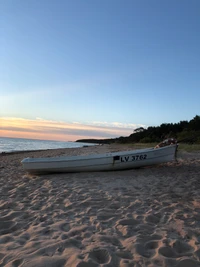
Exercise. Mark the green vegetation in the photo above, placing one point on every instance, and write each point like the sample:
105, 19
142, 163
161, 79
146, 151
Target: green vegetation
189, 147
183, 131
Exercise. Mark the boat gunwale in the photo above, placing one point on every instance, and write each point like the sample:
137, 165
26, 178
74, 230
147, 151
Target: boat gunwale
117, 164
93, 156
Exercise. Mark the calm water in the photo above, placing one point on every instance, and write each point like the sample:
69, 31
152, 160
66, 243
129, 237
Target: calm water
19, 144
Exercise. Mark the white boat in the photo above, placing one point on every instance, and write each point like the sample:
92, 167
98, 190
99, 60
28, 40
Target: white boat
101, 162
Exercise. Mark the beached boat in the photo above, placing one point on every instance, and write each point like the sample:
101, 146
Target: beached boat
101, 162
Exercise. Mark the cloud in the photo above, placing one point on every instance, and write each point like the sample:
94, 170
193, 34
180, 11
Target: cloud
56, 130
131, 126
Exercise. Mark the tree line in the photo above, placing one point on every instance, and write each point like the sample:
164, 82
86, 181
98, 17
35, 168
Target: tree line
185, 131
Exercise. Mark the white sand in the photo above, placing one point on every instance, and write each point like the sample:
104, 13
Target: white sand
143, 217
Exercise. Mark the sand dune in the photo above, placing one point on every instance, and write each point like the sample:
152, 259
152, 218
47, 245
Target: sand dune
144, 217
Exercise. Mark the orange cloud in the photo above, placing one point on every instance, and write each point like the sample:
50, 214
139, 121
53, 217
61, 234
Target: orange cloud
55, 130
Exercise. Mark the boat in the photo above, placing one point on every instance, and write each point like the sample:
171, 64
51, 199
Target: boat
101, 162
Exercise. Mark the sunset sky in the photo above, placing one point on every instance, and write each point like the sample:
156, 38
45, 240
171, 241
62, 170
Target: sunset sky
72, 69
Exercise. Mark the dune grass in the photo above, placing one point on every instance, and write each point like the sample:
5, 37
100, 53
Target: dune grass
189, 147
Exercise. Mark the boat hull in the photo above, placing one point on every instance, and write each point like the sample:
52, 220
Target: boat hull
101, 162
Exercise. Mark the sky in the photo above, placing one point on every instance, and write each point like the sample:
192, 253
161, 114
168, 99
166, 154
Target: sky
73, 69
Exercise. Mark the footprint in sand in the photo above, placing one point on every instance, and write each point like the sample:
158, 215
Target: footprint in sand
7, 227
127, 227
144, 251
152, 219
148, 238
101, 256
182, 248
17, 262
12, 215
167, 252
197, 253
87, 264
5, 239
124, 255
125, 222
128, 263
105, 216
108, 239
65, 227
46, 261
151, 245
188, 263
77, 231
115, 205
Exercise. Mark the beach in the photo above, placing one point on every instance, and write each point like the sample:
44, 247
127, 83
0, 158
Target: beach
140, 217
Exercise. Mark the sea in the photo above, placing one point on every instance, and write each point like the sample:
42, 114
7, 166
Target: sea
20, 144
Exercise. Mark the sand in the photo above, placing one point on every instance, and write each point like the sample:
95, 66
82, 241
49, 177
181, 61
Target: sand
143, 217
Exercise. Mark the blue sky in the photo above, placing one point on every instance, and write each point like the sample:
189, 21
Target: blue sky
105, 63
